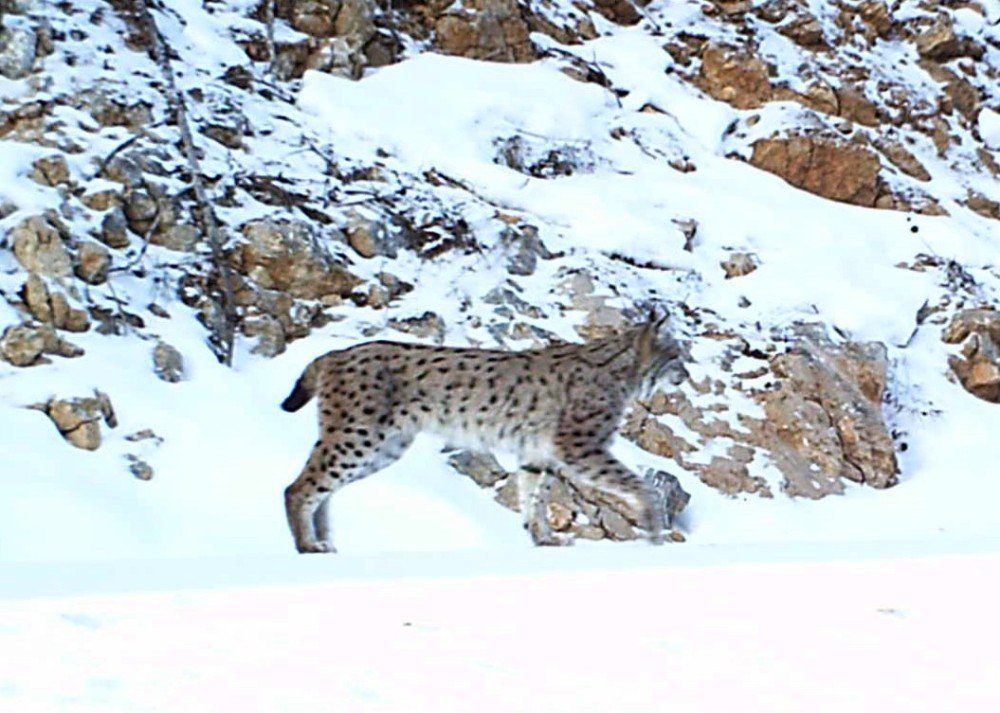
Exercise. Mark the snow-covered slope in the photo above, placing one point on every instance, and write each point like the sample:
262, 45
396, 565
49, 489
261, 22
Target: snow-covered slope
423, 141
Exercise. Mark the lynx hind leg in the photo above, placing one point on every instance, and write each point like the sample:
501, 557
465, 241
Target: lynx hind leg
534, 488
601, 471
346, 455
305, 505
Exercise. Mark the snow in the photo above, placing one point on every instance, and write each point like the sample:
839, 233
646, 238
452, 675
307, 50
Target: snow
634, 630
989, 128
149, 595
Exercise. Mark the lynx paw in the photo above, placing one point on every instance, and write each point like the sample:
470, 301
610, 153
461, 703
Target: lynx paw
313, 547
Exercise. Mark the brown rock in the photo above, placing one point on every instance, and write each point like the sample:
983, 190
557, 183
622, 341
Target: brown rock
983, 206
804, 30
855, 106
21, 345
902, 159
939, 42
833, 170
486, 29
79, 419
283, 255
734, 76
93, 262
39, 248
978, 369
739, 264
51, 171
114, 229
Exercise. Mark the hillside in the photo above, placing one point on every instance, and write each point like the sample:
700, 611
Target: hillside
810, 187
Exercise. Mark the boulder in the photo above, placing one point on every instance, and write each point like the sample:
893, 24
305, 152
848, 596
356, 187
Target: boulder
79, 419
734, 76
493, 30
21, 345
832, 169
93, 262
286, 256
39, 248
17, 48
978, 367
811, 414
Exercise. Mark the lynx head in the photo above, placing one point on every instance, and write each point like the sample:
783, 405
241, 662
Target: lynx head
660, 356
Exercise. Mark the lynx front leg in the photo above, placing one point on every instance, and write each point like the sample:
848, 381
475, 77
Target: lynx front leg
601, 471
534, 488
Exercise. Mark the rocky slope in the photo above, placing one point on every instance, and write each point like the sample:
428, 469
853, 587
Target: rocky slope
360, 185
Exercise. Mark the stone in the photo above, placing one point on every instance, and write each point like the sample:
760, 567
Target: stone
734, 76
854, 106
17, 48
491, 30
179, 237
902, 159
819, 424
168, 363
141, 211
804, 30
523, 248
51, 171
483, 468
739, 264
21, 345
39, 248
285, 256
93, 262
426, 326
139, 468
978, 367
842, 172
940, 43
114, 229
52, 307
313, 17
370, 238
79, 419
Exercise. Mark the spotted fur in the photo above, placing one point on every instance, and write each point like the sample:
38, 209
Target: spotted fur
557, 408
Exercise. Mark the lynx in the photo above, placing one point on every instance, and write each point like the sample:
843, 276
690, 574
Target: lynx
556, 408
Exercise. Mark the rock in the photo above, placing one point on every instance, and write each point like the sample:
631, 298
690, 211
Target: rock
621, 11
52, 307
51, 171
875, 14
355, 22
615, 525
739, 264
982, 205
229, 136
820, 421
902, 159
102, 200
141, 210
285, 256
114, 229
427, 326
21, 345
804, 30
854, 106
180, 237
79, 419
978, 368
940, 43
139, 468
93, 262
602, 319
370, 238
17, 48
313, 17
834, 170
734, 76
485, 29
168, 364
39, 248
523, 248
481, 467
